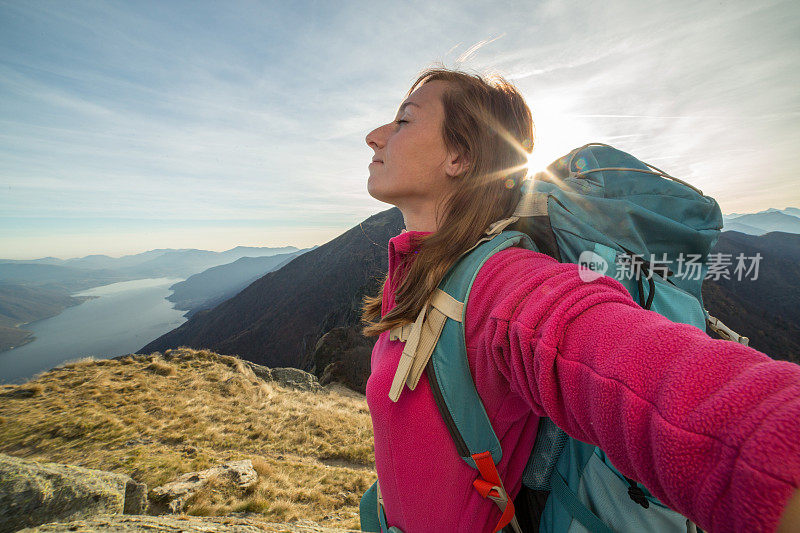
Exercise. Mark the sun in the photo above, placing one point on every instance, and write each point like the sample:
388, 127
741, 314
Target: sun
557, 133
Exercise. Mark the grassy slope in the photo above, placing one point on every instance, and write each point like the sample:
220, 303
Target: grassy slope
155, 417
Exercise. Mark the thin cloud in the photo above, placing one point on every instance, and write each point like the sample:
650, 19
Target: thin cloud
475, 47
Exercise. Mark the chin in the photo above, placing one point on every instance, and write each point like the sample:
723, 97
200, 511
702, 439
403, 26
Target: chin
375, 191
379, 195
385, 190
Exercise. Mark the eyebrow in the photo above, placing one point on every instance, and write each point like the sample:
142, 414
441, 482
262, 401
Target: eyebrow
406, 104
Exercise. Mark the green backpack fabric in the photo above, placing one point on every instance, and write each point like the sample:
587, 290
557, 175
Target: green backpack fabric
602, 208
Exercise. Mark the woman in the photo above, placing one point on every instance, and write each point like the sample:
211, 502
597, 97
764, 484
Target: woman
542, 342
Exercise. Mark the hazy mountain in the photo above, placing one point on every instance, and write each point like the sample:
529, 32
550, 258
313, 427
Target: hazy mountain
743, 228
789, 210
795, 211
184, 263
786, 220
278, 319
257, 251
98, 260
165, 262
57, 276
105, 261
49, 260
217, 284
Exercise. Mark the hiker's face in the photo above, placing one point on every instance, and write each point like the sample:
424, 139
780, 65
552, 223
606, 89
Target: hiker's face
412, 169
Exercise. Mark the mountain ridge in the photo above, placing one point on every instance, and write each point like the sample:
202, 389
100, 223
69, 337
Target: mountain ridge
213, 286
772, 219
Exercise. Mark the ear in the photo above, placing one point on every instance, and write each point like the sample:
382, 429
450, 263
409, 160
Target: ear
456, 164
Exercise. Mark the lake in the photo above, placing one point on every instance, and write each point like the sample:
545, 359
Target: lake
122, 318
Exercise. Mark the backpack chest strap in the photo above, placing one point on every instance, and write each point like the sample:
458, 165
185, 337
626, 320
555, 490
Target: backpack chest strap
420, 338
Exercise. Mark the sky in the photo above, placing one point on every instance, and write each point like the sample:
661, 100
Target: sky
131, 126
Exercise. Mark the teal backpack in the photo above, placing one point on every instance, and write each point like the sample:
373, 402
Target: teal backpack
606, 210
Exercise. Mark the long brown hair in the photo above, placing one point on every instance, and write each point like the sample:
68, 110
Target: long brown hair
487, 121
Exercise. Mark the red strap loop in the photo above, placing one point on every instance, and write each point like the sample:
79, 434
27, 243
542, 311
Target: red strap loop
485, 488
488, 484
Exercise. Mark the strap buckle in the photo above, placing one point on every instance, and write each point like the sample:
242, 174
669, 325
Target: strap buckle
421, 337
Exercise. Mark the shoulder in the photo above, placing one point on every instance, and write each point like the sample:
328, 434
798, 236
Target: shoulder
505, 279
515, 259
514, 277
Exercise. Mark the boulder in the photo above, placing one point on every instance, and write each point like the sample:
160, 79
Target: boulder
293, 378
33, 493
296, 379
173, 496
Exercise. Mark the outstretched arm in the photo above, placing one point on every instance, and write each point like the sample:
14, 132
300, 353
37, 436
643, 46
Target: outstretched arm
711, 427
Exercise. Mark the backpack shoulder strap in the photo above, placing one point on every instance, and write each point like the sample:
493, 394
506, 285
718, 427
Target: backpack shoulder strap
448, 372
452, 384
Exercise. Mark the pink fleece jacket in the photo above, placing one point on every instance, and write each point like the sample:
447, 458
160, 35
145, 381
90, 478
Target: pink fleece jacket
710, 427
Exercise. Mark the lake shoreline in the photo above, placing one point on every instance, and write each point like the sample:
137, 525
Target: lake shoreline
30, 336
105, 321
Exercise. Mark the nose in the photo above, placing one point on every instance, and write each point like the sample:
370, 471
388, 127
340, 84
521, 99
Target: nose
376, 139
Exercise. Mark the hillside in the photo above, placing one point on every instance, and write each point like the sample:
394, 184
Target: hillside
56, 276
764, 309
153, 417
278, 319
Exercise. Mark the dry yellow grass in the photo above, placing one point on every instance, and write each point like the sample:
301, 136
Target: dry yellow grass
154, 418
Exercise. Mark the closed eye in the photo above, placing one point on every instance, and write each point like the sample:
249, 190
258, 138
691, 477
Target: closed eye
400, 121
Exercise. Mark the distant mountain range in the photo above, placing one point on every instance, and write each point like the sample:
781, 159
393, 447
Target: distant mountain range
165, 262
35, 289
786, 220
279, 319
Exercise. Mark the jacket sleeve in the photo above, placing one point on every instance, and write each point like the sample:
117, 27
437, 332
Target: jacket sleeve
710, 427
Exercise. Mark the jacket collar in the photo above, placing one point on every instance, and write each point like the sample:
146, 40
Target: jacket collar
400, 246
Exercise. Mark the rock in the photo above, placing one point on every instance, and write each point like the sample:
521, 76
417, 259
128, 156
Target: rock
296, 378
180, 524
288, 377
33, 493
172, 497
343, 355
262, 372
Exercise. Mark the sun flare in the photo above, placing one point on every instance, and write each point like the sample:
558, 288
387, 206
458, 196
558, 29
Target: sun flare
557, 133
